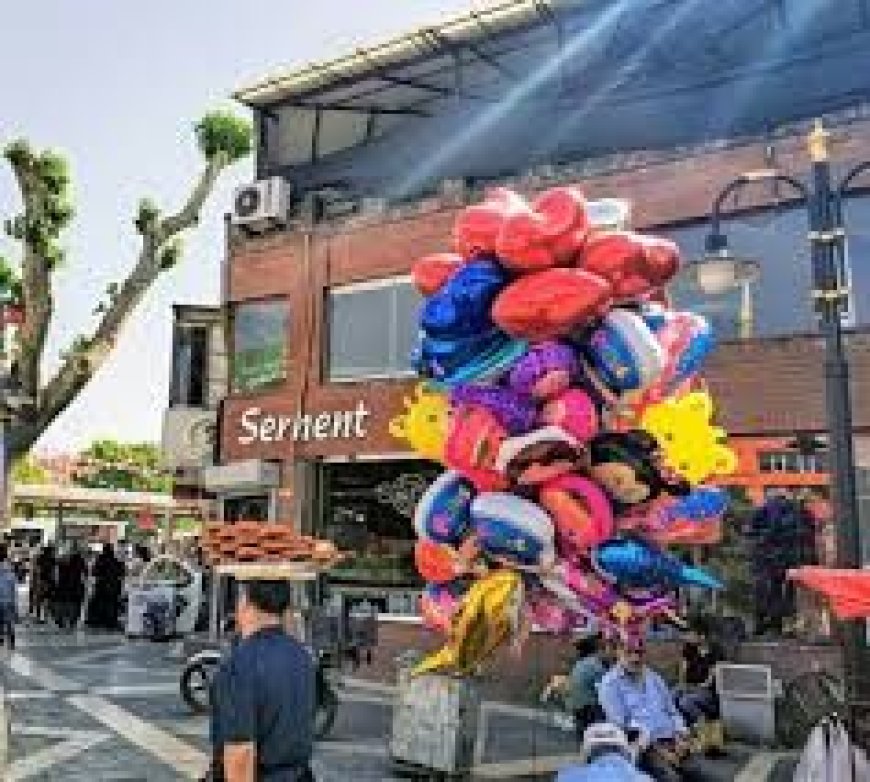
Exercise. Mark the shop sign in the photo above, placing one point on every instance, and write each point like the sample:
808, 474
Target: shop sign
260, 426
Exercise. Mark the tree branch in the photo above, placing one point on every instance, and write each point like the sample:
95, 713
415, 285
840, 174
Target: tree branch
91, 353
188, 215
35, 283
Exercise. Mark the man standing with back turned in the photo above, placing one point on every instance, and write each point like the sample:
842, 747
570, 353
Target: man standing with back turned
263, 697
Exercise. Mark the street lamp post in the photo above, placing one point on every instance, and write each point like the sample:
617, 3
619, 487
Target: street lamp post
824, 203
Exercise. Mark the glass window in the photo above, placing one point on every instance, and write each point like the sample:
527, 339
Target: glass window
259, 344
791, 461
372, 329
189, 362
369, 509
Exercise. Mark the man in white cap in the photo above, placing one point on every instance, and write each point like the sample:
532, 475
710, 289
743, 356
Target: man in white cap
608, 755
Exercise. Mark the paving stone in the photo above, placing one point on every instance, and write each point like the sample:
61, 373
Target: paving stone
356, 750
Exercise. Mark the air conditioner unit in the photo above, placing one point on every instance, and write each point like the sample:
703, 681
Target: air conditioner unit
262, 204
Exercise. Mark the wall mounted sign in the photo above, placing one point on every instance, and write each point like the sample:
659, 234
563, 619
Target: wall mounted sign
259, 426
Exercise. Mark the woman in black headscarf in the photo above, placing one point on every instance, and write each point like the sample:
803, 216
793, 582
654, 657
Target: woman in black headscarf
105, 602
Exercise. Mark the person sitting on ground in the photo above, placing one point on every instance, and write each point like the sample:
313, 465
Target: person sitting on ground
594, 657
608, 755
698, 700
635, 697
8, 598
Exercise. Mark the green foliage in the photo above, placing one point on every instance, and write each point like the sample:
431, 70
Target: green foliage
29, 471
221, 132
170, 254
123, 467
49, 207
18, 153
10, 283
730, 559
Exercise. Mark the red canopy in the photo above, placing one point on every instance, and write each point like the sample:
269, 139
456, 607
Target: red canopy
848, 591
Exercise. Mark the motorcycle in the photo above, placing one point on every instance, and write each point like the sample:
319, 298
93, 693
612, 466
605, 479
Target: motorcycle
200, 669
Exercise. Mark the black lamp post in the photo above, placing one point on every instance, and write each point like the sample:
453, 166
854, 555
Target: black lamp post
719, 269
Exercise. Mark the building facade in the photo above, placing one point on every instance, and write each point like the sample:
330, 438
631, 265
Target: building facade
322, 314
198, 384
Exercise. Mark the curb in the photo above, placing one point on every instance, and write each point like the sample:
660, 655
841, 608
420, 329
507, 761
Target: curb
5, 730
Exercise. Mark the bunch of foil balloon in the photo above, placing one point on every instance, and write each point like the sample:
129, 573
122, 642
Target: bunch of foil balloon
561, 393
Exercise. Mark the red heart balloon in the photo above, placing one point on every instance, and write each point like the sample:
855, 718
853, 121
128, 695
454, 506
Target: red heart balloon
477, 227
549, 303
432, 271
568, 247
662, 259
563, 210
522, 242
619, 257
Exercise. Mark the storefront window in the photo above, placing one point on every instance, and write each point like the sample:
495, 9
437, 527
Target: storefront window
368, 510
259, 344
372, 327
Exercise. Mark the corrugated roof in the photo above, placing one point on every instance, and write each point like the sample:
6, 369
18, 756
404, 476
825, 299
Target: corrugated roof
463, 30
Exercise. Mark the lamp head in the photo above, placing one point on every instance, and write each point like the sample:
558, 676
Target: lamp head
720, 270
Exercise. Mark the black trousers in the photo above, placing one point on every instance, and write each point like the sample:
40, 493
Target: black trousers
288, 774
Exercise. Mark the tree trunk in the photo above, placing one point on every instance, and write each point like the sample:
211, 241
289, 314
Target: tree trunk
6, 484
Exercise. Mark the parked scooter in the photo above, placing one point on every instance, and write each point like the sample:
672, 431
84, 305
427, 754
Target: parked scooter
200, 669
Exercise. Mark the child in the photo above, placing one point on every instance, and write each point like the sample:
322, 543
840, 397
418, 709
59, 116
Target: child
8, 598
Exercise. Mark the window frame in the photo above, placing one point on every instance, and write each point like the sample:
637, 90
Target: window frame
350, 288
777, 462
232, 315
181, 334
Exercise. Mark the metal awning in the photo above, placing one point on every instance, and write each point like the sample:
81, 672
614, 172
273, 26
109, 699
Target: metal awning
80, 497
392, 69
527, 83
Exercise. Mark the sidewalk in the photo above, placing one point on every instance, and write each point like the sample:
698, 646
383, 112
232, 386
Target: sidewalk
100, 707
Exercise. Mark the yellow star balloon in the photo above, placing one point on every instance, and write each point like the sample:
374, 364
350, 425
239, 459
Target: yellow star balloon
424, 423
692, 446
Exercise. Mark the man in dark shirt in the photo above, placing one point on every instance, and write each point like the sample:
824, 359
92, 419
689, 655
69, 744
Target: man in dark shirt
263, 697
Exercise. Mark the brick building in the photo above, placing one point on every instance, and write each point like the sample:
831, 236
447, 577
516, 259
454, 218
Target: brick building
376, 151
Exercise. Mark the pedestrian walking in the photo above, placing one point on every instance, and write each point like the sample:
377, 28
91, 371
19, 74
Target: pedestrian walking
105, 601
45, 569
72, 571
263, 697
8, 598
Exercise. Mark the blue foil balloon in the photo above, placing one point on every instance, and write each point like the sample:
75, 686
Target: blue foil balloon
701, 504
699, 347
635, 564
462, 307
